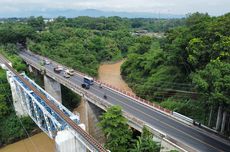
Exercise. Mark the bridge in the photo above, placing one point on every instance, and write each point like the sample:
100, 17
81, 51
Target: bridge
49, 114
180, 133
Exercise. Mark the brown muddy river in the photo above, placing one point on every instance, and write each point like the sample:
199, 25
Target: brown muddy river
37, 143
108, 73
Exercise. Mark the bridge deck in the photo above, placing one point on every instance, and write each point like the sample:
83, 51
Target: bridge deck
198, 140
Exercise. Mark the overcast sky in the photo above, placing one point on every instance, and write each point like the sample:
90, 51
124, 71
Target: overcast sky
213, 7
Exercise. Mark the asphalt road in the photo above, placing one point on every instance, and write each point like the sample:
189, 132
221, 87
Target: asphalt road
189, 135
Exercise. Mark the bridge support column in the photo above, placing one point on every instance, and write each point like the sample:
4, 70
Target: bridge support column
30, 68
17, 96
53, 88
89, 115
33, 70
65, 141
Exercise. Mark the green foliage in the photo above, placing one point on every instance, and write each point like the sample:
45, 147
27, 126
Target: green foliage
69, 99
116, 129
146, 73
184, 107
80, 49
37, 23
214, 81
11, 129
15, 32
156, 25
3, 107
83, 42
145, 143
193, 57
9, 50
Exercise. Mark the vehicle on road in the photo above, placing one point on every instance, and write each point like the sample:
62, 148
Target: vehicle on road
87, 81
70, 72
105, 96
58, 69
84, 85
47, 62
66, 75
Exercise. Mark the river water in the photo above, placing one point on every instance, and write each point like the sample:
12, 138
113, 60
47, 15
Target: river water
108, 73
37, 143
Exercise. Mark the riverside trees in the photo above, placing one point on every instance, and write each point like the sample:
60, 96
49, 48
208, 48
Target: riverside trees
119, 135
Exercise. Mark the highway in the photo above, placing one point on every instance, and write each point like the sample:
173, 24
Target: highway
191, 136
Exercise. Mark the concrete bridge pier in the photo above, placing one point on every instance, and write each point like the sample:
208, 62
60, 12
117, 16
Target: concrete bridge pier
53, 88
65, 141
17, 96
33, 70
90, 116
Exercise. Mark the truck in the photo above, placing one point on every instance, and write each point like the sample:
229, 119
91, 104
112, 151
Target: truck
87, 82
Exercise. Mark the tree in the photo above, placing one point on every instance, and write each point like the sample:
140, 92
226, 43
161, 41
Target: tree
37, 23
196, 50
116, 130
145, 143
214, 82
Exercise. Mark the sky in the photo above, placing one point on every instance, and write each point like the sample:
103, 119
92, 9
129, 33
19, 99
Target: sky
180, 7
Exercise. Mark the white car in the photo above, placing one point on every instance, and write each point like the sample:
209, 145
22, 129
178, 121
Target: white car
66, 75
47, 62
70, 72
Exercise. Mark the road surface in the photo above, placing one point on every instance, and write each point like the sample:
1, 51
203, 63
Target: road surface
193, 137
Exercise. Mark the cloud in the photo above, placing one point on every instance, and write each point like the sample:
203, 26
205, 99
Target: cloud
214, 7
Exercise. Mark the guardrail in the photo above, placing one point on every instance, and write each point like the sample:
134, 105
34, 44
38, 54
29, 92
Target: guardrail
111, 87
182, 118
136, 98
103, 104
152, 105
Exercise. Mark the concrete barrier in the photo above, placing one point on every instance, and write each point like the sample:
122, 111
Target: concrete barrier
182, 118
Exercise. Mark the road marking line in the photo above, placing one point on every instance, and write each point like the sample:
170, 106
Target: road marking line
167, 124
145, 114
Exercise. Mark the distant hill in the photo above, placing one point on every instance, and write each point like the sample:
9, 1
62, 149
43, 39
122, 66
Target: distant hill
51, 13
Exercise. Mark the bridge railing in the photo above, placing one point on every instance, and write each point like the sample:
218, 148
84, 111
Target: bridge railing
111, 87
103, 104
87, 140
74, 117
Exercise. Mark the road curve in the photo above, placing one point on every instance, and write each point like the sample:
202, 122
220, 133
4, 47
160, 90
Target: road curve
189, 135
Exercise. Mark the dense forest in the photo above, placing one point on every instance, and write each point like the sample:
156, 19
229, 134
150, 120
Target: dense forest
186, 70
84, 42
